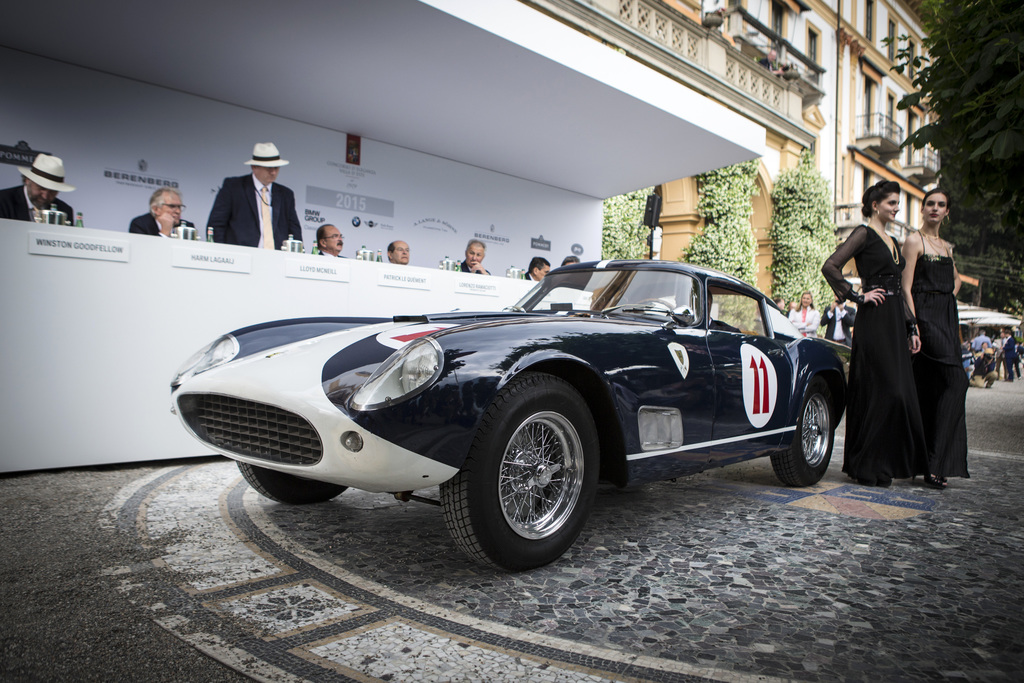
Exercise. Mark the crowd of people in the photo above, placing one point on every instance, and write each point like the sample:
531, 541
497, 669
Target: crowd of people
252, 210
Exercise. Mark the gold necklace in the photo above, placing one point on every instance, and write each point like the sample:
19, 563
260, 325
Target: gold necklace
939, 249
895, 250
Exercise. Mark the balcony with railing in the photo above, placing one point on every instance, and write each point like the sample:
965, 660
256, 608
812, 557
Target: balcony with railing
922, 165
754, 39
879, 134
700, 56
848, 217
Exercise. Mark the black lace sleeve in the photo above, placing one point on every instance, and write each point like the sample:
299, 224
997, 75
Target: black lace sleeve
833, 268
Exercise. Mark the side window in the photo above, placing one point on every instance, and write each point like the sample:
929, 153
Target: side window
781, 325
734, 312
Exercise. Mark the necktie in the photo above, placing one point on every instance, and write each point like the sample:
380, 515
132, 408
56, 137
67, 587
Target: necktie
268, 222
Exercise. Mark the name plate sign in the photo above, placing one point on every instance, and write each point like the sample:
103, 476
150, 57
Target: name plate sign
317, 268
480, 286
207, 259
410, 279
71, 246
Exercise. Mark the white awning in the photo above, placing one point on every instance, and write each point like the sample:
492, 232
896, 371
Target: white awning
977, 316
493, 84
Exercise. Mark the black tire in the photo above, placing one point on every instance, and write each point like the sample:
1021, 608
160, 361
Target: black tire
808, 456
287, 488
527, 486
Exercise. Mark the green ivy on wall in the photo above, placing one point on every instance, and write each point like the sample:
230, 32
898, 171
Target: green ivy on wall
623, 235
802, 233
727, 243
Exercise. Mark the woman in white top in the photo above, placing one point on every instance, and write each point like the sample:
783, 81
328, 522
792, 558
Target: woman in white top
806, 317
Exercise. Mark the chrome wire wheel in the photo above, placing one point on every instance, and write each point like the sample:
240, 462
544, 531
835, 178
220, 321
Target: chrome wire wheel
541, 475
817, 428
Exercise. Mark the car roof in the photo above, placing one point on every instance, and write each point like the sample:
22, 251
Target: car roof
700, 272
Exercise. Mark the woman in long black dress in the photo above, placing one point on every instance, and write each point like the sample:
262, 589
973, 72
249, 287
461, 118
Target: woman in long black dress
932, 279
884, 434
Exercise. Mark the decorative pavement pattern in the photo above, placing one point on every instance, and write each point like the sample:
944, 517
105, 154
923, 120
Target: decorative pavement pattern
723, 576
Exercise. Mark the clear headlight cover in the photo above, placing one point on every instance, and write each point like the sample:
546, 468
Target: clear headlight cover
215, 353
405, 374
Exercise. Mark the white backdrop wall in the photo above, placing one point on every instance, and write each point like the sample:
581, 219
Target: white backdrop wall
120, 139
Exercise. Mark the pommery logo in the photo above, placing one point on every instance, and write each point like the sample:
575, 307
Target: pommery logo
20, 154
540, 243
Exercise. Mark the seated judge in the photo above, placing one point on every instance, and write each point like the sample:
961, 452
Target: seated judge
329, 240
38, 191
475, 252
539, 267
254, 210
398, 253
165, 209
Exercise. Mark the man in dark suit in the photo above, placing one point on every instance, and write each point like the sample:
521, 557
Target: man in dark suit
38, 191
253, 210
845, 316
164, 214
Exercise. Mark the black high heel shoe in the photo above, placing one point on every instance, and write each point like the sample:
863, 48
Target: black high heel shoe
933, 482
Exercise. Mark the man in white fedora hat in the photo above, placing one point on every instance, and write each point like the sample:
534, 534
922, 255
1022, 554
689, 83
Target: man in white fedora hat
38, 191
253, 210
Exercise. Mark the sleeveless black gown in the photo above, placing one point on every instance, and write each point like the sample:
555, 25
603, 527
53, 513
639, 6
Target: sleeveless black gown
884, 432
938, 370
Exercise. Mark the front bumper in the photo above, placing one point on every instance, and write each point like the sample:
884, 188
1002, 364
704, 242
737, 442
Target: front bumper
283, 383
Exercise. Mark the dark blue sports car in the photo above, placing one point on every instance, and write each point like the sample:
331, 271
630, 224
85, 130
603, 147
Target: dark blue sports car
627, 371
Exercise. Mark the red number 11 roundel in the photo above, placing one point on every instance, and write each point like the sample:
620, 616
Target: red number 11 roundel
760, 385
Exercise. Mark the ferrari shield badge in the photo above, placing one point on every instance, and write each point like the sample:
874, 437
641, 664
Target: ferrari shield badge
760, 385
681, 358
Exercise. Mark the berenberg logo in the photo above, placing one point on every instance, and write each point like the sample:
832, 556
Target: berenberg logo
492, 237
140, 178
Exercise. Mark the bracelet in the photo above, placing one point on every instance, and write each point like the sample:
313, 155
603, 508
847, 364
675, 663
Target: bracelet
855, 297
912, 329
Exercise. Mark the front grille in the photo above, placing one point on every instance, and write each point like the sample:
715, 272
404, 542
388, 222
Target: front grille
254, 429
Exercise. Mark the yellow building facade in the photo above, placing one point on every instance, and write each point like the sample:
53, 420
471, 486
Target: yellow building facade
830, 89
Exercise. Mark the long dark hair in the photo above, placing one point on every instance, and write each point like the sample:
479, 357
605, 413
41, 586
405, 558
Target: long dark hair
938, 190
878, 192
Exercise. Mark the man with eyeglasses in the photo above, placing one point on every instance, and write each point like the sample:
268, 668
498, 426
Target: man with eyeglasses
398, 253
165, 209
329, 240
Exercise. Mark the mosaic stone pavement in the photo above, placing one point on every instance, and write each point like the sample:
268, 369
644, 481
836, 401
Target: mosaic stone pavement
723, 576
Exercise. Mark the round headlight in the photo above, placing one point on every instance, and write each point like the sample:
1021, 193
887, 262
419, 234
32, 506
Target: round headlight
406, 373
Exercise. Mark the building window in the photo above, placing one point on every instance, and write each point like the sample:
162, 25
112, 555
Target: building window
911, 127
869, 20
812, 44
777, 14
867, 179
892, 41
869, 95
912, 52
890, 107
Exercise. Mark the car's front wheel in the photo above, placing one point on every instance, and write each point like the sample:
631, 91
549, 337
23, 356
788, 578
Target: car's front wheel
527, 486
808, 457
287, 488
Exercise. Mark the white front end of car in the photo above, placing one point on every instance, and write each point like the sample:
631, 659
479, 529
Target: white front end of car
254, 397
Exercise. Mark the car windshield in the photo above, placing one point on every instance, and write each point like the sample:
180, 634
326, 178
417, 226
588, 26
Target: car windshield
598, 290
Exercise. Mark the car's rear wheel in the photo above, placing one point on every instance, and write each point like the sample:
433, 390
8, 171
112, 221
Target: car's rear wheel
527, 486
287, 488
808, 456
